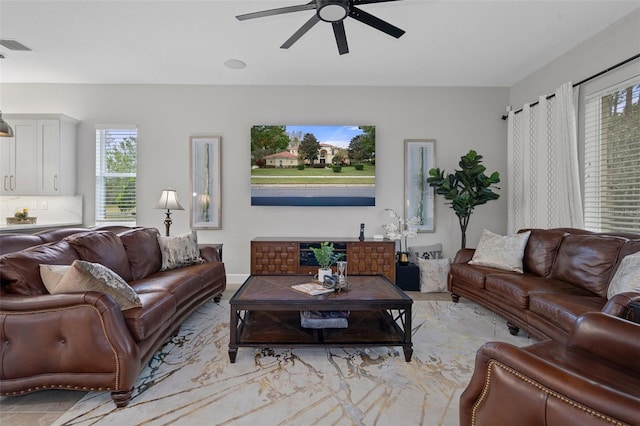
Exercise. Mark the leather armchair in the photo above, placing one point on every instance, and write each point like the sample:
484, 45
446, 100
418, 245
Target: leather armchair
592, 379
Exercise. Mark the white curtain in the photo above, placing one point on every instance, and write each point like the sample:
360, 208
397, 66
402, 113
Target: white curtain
543, 175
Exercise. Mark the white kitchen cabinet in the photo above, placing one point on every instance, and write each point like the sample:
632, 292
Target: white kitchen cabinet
41, 157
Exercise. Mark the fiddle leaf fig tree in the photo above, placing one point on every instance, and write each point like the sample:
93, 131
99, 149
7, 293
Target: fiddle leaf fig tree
465, 188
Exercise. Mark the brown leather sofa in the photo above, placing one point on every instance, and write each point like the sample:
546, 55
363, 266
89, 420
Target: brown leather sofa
566, 274
591, 379
83, 341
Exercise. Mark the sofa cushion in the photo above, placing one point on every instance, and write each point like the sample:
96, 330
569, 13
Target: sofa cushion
541, 251
563, 310
627, 277
20, 271
102, 247
178, 282
516, 289
179, 251
158, 307
86, 276
143, 251
470, 274
587, 261
501, 251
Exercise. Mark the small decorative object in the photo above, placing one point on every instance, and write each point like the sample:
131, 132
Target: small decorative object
21, 217
466, 188
361, 237
401, 230
325, 257
342, 273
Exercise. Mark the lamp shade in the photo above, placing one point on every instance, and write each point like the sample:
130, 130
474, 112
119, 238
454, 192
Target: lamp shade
5, 130
169, 200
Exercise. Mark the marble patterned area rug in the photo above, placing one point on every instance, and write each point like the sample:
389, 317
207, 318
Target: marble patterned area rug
191, 381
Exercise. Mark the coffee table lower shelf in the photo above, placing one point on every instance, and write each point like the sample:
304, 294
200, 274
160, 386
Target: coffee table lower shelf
282, 328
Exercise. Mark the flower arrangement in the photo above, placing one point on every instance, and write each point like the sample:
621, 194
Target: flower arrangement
22, 214
401, 229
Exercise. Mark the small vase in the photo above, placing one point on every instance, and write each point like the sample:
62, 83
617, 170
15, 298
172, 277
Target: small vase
402, 258
323, 272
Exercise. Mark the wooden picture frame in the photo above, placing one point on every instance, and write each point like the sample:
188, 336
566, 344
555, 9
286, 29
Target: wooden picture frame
205, 207
419, 157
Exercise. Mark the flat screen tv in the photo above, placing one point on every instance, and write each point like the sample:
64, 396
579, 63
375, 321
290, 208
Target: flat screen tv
293, 165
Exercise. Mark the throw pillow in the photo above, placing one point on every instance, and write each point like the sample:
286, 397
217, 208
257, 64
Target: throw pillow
627, 277
501, 251
86, 276
425, 252
433, 275
52, 274
179, 251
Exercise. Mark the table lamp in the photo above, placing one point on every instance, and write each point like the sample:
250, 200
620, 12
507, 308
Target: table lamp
169, 201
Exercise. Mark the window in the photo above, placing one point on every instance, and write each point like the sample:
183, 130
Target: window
116, 164
612, 158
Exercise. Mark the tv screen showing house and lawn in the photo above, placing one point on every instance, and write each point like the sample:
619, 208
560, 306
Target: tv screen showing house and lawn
294, 165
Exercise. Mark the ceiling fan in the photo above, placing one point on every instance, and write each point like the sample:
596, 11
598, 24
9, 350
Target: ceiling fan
333, 11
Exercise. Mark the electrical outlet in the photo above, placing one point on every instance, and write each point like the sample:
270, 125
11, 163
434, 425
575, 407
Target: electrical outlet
44, 205
34, 205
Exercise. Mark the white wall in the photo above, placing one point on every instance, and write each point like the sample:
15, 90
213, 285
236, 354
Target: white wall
458, 118
611, 46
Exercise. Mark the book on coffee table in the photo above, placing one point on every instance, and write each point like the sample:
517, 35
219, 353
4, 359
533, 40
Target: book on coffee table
311, 288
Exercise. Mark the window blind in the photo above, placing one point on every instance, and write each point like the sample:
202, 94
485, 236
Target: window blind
612, 158
116, 166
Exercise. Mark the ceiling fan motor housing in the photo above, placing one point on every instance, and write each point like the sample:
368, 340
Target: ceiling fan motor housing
332, 10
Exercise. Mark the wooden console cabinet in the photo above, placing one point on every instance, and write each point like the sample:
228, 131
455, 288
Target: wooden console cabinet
284, 256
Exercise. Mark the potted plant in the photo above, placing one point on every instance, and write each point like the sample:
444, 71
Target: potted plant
326, 257
466, 188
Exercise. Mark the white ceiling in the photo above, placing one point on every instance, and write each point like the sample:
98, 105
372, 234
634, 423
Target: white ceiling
447, 42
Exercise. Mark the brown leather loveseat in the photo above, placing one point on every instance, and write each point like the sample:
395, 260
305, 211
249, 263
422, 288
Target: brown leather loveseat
83, 340
567, 273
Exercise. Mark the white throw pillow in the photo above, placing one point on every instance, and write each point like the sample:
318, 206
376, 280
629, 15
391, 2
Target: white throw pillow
87, 276
433, 274
627, 277
52, 274
179, 251
501, 251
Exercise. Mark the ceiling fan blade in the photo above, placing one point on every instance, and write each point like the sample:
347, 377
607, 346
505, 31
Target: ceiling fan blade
377, 23
303, 29
359, 2
278, 11
341, 37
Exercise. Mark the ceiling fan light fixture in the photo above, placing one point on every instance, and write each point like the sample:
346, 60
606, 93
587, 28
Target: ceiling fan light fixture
332, 10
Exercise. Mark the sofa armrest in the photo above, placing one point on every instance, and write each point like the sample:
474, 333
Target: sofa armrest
594, 332
210, 254
73, 333
618, 305
464, 255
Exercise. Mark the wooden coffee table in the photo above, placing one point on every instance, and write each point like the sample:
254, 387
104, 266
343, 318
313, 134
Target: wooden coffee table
265, 312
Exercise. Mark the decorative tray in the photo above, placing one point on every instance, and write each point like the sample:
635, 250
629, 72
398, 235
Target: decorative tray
25, 221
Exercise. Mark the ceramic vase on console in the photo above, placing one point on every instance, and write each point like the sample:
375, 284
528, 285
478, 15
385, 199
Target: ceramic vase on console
322, 272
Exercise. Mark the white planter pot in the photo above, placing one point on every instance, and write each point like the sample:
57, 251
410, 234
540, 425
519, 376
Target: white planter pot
322, 273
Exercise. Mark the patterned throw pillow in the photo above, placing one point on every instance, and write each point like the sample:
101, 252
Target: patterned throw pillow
86, 276
179, 251
425, 252
433, 274
627, 277
52, 274
501, 251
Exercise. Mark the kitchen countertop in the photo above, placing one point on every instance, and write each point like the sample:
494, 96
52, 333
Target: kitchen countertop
30, 229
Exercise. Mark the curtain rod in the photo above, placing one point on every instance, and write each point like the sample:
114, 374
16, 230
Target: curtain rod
634, 57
